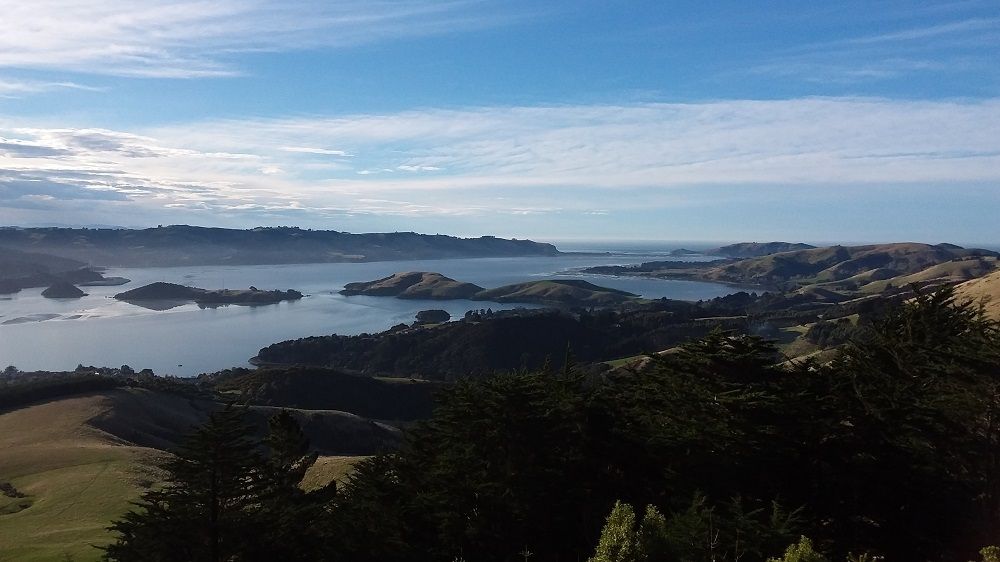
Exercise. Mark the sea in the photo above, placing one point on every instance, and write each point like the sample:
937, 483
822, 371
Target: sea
38, 333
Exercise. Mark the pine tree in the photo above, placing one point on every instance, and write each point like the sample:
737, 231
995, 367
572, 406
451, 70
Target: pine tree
619, 538
202, 513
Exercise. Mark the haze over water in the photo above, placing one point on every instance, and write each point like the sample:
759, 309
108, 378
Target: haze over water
57, 334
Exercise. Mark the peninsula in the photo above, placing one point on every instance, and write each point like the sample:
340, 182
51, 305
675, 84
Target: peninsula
180, 245
25, 270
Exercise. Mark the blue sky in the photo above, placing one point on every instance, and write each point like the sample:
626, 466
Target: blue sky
848, 121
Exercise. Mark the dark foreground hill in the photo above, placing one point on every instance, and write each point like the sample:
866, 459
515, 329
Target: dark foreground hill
190, 245
328, 389
484, 342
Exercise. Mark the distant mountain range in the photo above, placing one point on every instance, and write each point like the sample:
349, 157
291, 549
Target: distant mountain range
191, 245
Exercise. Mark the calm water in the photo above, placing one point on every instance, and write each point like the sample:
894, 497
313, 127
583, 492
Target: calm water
50, 334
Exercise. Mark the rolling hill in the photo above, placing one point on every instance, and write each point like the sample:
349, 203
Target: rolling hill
984, 289
833, 272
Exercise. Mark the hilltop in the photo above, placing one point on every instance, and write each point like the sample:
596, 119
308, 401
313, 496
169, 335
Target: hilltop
557, 291
191, 245
756, 249
414, 285
427, 285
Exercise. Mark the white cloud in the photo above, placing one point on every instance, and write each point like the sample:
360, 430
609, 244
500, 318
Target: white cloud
968, 45
192, 38
544, 159
11, 88
310, 150
417, 168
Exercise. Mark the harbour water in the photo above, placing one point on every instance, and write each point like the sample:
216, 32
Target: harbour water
37, 333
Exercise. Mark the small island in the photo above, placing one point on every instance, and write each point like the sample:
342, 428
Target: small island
414, 285
434, 286
63, 290
161, 291
434, 316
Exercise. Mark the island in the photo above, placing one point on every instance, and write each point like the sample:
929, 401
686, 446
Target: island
684, 252
433, 316
63, 290
172, 292
414, 285
434, 286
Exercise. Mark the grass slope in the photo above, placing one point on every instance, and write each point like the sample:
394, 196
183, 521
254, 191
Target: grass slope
835, 272
988, 288
76, 477
560, 291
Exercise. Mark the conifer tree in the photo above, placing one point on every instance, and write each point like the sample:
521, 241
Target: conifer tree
202, 511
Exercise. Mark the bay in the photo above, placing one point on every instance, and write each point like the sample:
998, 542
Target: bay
56, 334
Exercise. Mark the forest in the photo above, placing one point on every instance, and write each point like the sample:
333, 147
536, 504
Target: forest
718, 452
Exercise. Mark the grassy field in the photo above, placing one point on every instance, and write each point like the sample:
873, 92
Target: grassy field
75, 479
328, 469
987, 288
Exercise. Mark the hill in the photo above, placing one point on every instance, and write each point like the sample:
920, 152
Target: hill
328, 389
986, 287
63, 290
76, 462
414, 285
190, 245
425, 285
860, 264
756, 249
839, 270
557, 291
484, 342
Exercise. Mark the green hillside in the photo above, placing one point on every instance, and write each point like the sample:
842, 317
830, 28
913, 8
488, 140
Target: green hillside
79, 460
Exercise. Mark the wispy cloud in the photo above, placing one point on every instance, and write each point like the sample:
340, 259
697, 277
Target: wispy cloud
961, 45
194, 38
311, 150
12, 88
542, 159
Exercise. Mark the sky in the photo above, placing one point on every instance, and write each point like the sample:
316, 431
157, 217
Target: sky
560, 120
